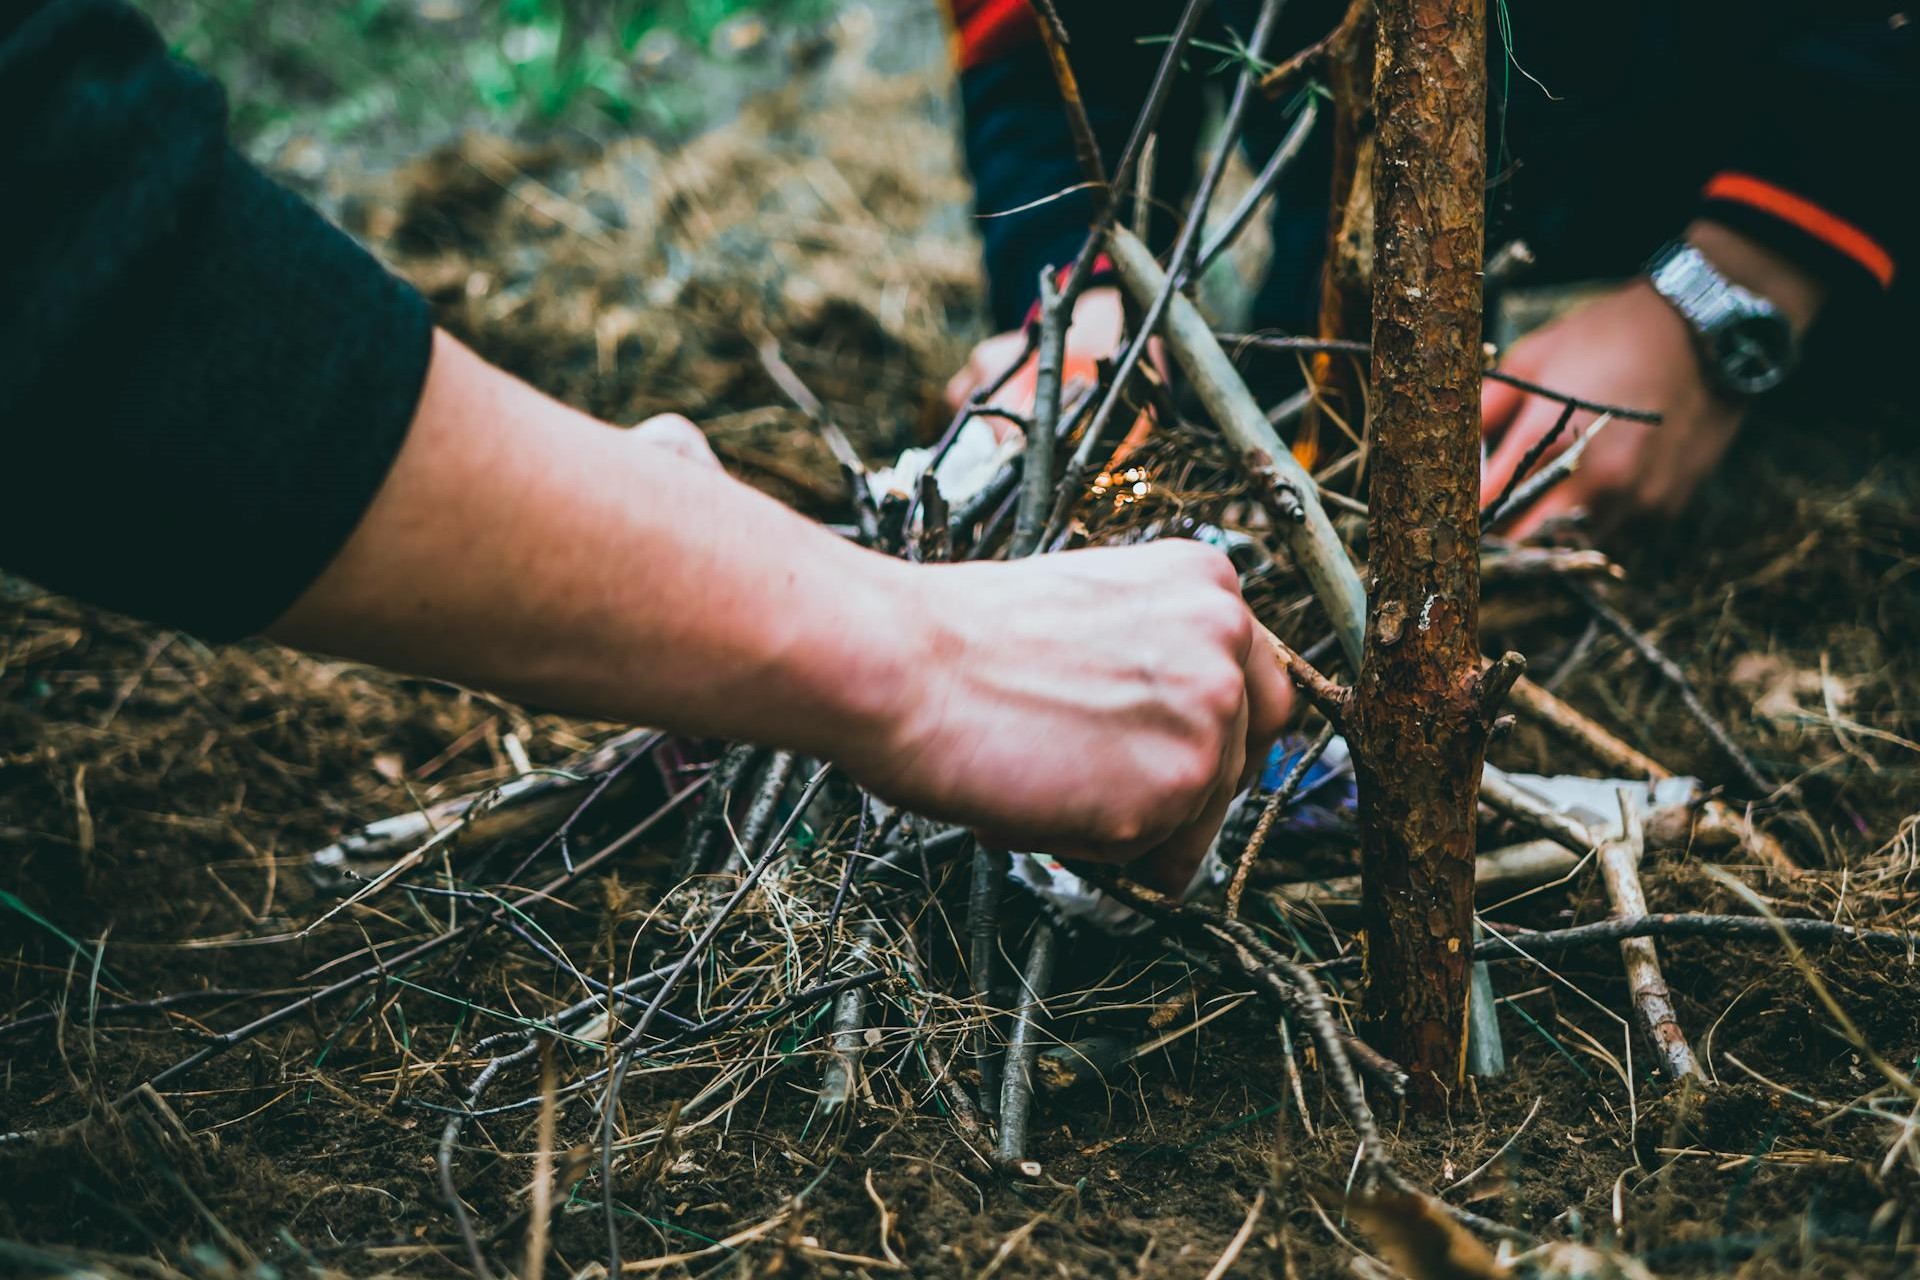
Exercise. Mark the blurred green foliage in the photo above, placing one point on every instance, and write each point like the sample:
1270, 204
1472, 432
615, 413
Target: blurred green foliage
362, 68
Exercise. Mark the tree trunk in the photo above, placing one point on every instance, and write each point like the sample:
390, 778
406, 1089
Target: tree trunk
1419, 727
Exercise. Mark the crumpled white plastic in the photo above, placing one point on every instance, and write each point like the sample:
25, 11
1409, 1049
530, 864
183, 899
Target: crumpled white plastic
975, 459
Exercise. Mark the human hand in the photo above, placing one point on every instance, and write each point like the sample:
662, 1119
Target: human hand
1103, 704
1631, 348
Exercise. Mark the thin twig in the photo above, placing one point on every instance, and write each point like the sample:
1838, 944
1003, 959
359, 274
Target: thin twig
1670, 671
1281, 798
1619, 860
1036, 493
983, 949
1016, 1086
1270, 175
1358, 347
859, 491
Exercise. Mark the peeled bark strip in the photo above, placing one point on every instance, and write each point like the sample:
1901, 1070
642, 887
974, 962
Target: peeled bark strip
1419, 721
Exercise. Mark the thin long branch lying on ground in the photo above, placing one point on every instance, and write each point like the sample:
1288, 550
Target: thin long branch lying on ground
1619, 859
1538, 944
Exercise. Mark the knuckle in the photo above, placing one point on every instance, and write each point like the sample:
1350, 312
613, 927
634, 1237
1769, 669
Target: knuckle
1192, 778
1122, 826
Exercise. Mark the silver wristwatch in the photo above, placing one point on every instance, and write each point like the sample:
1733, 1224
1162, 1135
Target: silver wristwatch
1746, 344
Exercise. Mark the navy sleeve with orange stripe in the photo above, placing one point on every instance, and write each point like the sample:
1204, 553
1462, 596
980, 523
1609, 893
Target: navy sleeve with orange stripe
1817, 165
1033, 213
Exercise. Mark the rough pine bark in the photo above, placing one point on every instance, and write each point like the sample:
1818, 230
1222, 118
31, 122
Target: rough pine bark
1418, 725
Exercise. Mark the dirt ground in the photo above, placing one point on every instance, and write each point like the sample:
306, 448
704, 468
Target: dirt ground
159, 802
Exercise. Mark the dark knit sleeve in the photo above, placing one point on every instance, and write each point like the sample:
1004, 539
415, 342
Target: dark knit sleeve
1033, 210
202, 382
1812, 165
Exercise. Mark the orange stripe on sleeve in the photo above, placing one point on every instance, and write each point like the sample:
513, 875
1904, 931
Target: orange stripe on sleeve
1834, 232
988, 28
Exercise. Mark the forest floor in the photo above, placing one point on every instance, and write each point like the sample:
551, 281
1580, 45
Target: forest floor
159, 801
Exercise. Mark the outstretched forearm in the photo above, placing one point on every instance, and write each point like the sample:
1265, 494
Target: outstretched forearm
519, 545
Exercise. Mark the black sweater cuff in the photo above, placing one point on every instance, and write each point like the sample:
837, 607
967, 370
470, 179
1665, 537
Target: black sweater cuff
207, 382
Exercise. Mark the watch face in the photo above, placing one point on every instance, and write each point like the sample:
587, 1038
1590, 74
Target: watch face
1754, 353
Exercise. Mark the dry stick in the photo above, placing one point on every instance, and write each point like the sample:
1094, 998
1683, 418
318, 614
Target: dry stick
1536, 945
494, 812
1357, 347
161, 1005
766, 802
630, 1043
983, 949
989, 865
1270, 174
705, 829
1627, 412
1281, 798
540, 1204
1504, 796
1687, 925
1671, 672
1016, 1086
1542, 481
1283, 77
1715, 817
1535, 564
848, 1043
935, 539
1036, 493
1281, 483
1619, 870
1498, 874
1491, 514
